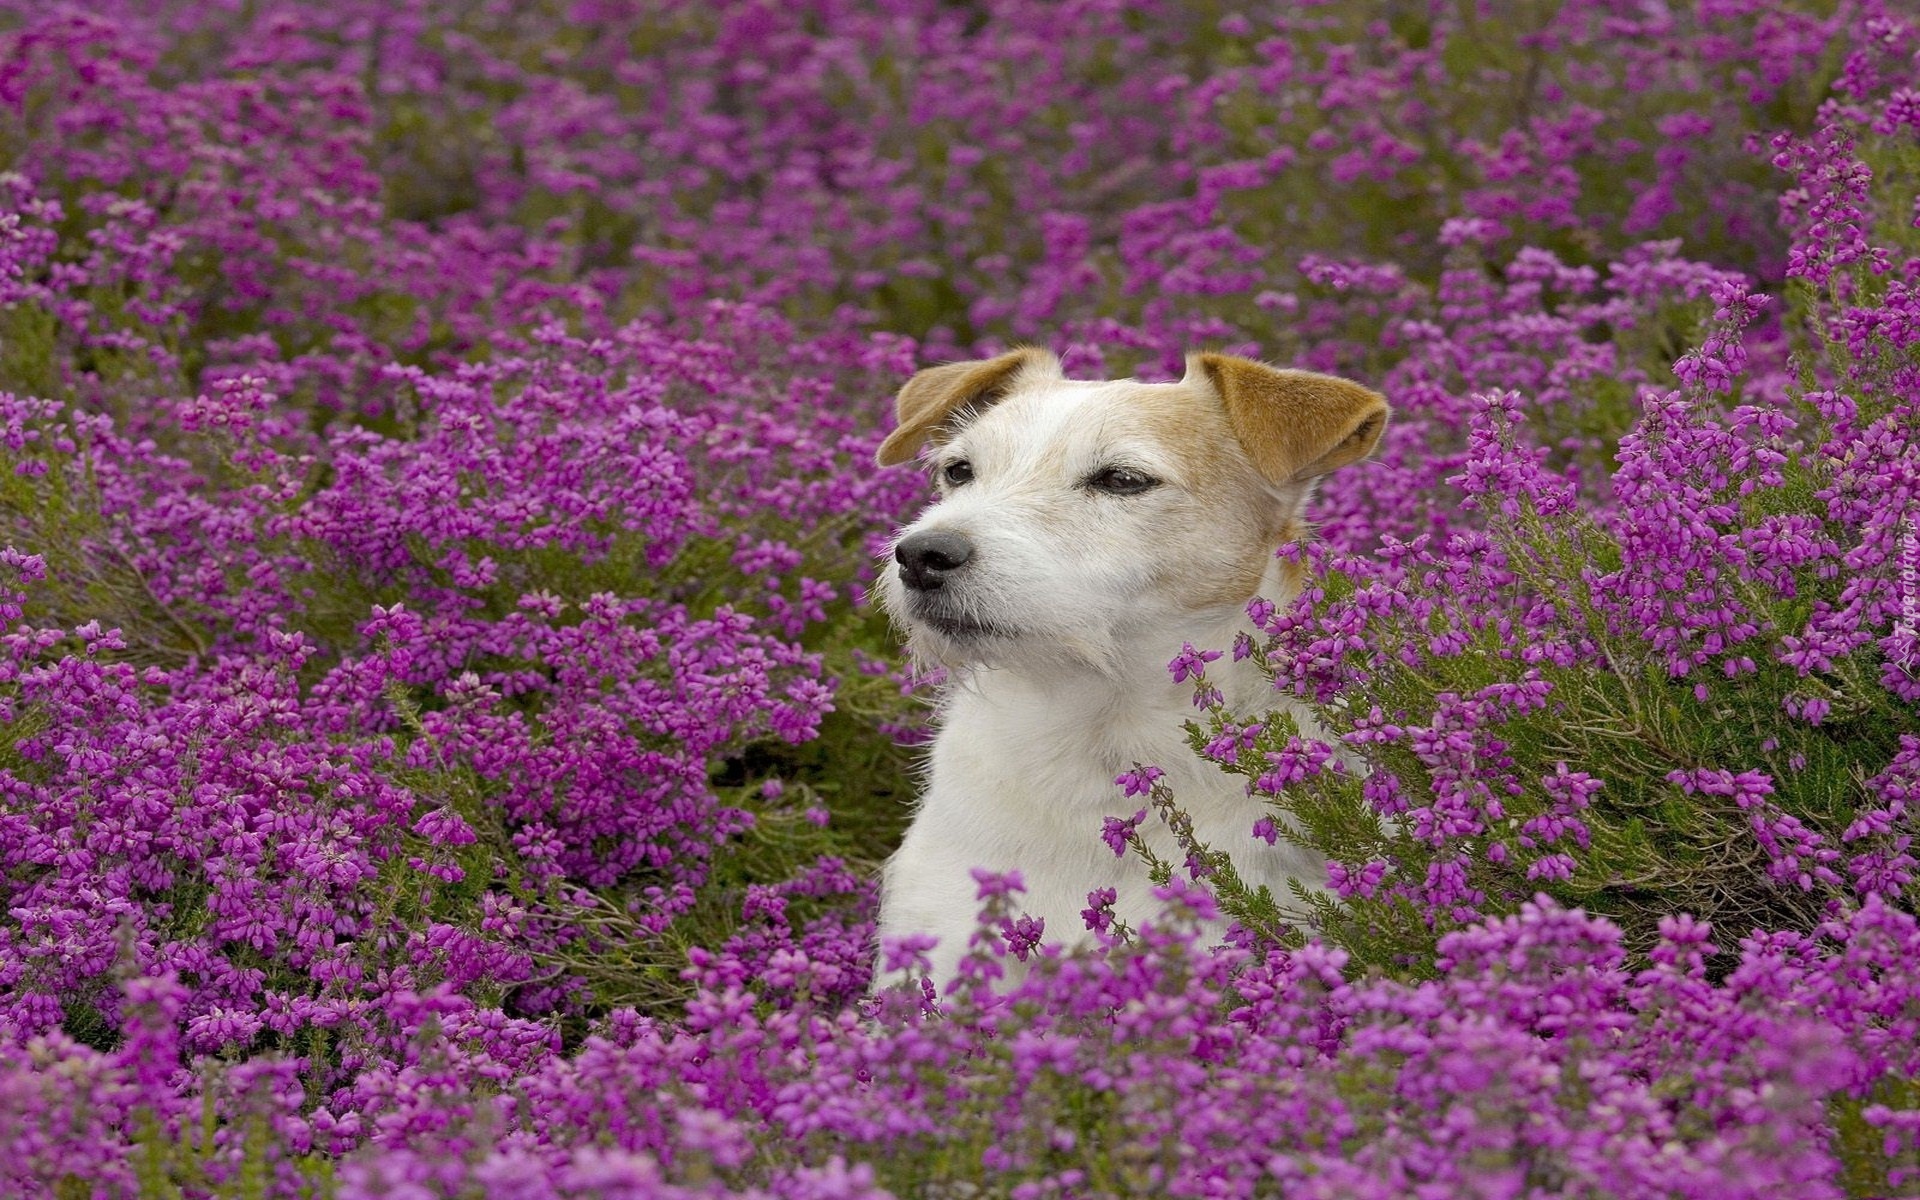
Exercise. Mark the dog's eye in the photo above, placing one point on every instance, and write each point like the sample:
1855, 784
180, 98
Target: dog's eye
1122, 481
957, 473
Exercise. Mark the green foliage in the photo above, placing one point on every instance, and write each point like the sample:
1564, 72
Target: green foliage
1617, 713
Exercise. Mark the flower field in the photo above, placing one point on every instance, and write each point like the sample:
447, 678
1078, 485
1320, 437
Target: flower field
447, 753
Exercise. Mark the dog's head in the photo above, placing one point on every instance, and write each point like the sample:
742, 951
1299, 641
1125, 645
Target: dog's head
1076, 518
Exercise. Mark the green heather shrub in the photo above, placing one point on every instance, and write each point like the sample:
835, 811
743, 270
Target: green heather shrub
1686, 687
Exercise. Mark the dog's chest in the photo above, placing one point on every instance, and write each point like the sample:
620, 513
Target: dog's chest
1058, 753
1032, 776
1020, 782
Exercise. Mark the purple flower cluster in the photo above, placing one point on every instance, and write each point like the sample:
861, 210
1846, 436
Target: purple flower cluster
1535, 1059
1713, 638
445, 751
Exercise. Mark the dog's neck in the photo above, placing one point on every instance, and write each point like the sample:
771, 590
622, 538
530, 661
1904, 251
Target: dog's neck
1135, 675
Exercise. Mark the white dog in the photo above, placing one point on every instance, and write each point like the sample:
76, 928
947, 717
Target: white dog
1083, 532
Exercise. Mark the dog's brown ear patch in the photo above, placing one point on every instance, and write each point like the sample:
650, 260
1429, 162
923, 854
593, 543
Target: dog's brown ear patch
1292, 424
936, 393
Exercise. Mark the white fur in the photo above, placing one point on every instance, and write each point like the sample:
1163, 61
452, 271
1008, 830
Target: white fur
1089, 596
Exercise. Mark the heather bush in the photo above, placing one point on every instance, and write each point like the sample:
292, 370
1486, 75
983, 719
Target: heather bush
1696, 694
433, 645
446, 751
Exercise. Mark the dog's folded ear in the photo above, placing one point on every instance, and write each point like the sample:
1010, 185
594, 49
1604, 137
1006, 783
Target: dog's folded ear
1294, 425
937, 393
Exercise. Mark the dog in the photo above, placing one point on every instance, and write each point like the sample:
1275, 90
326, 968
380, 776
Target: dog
1083, 532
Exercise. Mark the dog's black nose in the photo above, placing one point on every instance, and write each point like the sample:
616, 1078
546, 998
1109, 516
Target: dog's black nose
926, 558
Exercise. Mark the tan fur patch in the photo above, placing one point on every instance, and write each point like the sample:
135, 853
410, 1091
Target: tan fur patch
1294, 424
1222, 557
935, 394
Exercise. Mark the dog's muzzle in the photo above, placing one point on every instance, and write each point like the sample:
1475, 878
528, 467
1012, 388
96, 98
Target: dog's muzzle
929, 557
